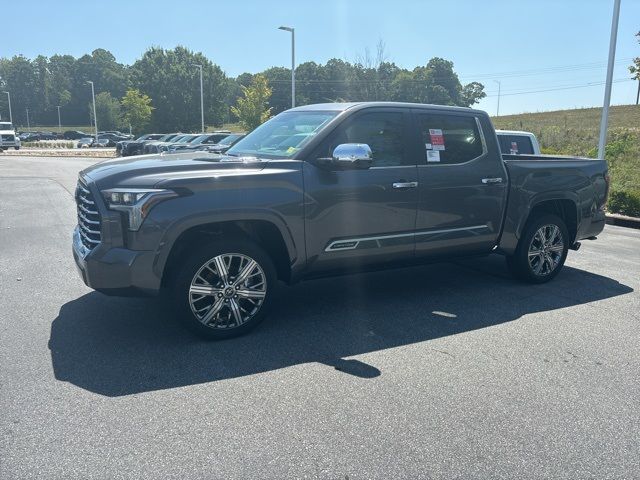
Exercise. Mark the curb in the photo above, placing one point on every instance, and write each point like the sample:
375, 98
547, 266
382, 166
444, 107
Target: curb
622, 220
59, 153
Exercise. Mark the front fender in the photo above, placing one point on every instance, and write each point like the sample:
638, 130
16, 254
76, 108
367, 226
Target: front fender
177, 228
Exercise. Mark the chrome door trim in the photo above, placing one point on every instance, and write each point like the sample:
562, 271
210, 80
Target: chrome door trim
352, 243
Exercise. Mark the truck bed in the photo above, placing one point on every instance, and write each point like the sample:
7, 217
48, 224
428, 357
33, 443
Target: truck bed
574, 183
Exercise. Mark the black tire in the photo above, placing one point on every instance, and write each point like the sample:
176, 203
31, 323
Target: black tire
519, 263
219, 327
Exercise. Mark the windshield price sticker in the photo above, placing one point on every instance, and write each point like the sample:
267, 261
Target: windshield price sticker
514, 148
437, 138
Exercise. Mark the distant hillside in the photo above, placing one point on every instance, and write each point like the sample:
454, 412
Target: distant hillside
576, 132
620, 116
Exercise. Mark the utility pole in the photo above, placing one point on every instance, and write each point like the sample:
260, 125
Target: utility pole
9, 99
201, 97
607, 90
293, 62
95, 117
637, 95
498, 109
59, 121
28, 124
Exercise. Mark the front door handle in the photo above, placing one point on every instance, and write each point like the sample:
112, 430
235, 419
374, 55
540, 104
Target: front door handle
491, 180
401, 185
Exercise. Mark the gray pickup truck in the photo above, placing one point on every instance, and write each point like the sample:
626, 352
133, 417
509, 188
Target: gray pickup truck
321, 190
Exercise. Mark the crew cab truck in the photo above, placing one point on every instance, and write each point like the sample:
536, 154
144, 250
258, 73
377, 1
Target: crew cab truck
323, 189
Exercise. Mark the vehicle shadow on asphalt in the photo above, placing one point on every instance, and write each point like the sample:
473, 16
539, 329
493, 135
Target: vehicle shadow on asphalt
121, 346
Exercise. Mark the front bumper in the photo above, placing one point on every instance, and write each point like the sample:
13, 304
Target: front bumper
116, 271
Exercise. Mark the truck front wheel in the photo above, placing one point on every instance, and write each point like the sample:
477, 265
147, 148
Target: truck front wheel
542, 250
224, 289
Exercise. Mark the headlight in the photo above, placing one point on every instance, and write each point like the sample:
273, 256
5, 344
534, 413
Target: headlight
136, 202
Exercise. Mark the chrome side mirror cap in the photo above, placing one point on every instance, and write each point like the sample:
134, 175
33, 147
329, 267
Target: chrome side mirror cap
352, 155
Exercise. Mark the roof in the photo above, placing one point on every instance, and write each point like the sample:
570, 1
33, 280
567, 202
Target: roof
514, 132
340, 107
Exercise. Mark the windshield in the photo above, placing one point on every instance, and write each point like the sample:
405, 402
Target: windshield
6, 126
282, 136
229, 139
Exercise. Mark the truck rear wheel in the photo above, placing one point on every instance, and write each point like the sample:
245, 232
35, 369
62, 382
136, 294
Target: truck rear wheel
542, 250
224, 289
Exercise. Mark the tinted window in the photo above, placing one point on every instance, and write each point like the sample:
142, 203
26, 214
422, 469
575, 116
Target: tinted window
449, 139
515, 144
383, 132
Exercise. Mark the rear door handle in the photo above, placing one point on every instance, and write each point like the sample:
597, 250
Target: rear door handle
401, 185
491, 180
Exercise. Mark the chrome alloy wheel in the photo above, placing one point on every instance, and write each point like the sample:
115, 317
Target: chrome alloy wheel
546, 250
227, 291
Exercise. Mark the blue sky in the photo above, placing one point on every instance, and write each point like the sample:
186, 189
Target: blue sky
528, 45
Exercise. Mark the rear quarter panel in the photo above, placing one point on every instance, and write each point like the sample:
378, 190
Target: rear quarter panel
535, 179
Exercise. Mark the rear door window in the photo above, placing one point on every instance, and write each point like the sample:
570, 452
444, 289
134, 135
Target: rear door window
449, 139
515, 144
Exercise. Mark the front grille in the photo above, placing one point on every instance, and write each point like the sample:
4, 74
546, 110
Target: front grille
7, 138
88, 217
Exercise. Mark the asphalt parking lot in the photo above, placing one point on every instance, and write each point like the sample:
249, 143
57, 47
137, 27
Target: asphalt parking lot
445, 371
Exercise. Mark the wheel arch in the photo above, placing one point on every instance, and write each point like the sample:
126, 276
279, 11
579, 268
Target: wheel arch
275, 239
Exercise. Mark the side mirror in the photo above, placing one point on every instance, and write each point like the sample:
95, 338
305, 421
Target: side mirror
349, 156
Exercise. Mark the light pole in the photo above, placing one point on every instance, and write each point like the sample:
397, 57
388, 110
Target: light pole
9, 99
293, 62
498, 109
59, 121
607, 89
28, 125
95, 118
201, 97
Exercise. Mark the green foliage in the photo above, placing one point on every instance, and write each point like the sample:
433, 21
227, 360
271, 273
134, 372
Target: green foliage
625, 202
635, 68
136, 110
107, 110
252, 108
171, 80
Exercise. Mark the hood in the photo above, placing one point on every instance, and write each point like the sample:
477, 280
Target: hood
148, 170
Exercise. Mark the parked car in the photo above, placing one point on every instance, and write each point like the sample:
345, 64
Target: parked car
8, 137
85, 142
153, 147
518, 143
101, 143
200, 142
158, 147
134, 147
112, 138
326, 189
75, 135
37, 136
226, 143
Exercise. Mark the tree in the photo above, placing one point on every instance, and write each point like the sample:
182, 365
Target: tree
136, 110
170, 78
251, 108
107, 110
635, 69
